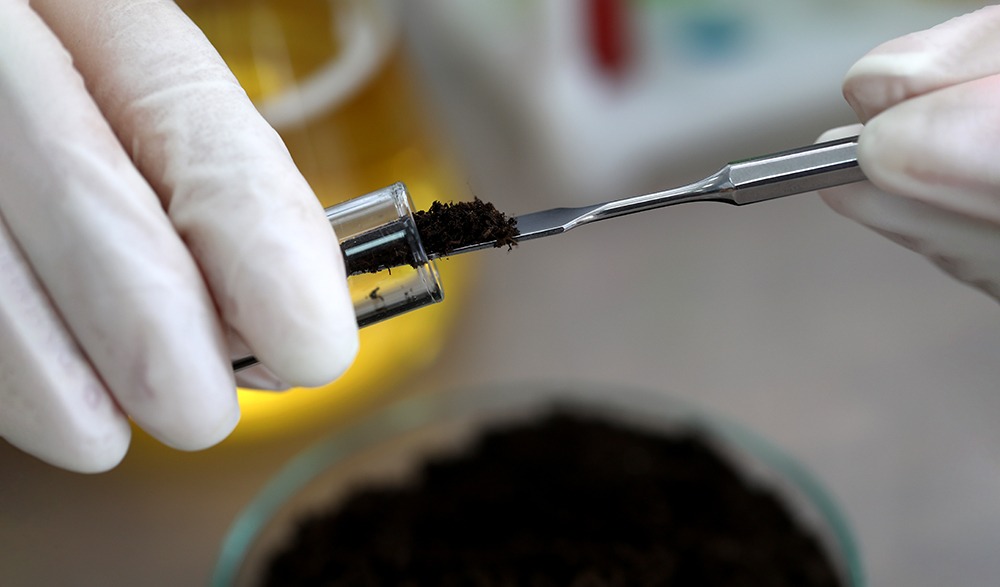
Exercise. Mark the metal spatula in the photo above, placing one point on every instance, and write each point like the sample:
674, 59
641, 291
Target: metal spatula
795, 171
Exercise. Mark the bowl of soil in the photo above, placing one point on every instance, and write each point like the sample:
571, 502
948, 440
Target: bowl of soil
538, 485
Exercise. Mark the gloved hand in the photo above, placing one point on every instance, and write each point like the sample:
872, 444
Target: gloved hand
150, 223
930, 145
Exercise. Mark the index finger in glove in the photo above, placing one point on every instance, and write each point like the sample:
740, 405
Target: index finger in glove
940, 148
963, 49
229, 185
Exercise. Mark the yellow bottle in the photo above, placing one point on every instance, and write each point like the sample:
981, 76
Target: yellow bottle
331, 77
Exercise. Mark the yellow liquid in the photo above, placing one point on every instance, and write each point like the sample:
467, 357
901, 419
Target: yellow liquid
377, 134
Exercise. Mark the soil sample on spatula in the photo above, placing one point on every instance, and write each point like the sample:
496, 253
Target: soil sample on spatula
444, 228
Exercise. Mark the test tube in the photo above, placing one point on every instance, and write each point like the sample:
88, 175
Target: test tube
388, 271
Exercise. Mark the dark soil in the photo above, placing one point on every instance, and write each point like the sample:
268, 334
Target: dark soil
568, 502
443, 228
446, 227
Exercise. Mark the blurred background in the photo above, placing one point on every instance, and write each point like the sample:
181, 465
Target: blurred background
857, 357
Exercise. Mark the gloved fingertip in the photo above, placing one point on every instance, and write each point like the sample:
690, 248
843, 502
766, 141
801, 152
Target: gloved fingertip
840, 132
306, 336
201, 434
851, 201
316, 363
259, 377
871, 85
98, 451
886, 151
98, 455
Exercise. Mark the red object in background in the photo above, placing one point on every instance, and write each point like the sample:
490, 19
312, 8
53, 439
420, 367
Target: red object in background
608, 29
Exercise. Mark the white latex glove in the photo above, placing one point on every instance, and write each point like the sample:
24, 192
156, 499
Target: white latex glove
930, 145
150, 221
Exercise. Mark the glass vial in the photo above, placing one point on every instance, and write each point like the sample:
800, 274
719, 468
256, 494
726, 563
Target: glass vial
388, 271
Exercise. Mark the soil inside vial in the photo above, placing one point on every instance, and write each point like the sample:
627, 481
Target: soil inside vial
568, 500
443, 228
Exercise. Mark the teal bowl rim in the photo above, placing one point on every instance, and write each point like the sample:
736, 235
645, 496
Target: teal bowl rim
412, 412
